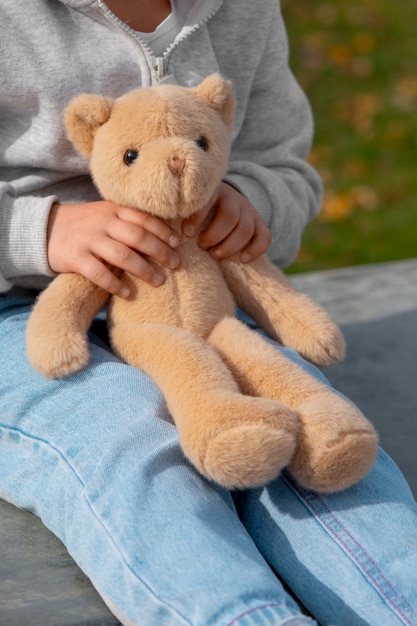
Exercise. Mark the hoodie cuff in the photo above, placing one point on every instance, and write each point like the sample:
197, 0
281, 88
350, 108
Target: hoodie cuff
23, 229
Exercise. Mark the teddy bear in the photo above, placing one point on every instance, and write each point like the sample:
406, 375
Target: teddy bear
244, 410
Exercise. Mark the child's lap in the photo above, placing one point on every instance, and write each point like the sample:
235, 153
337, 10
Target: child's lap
104, 399
108, 428
107, 406
106, 386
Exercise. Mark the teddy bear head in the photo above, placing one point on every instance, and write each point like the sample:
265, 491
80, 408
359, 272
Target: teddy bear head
162, 149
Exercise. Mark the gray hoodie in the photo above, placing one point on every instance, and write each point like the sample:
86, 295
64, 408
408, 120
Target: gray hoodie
51, 50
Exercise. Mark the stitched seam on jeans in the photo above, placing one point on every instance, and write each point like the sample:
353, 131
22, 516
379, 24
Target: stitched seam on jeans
357, 553
258, 608
33, 438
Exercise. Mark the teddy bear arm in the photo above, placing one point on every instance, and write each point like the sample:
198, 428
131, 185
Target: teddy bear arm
56, 335
261, 290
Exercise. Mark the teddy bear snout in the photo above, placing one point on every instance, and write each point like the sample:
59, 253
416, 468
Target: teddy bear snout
176, 165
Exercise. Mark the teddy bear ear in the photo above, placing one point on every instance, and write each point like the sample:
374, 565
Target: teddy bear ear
218, 93
83, 116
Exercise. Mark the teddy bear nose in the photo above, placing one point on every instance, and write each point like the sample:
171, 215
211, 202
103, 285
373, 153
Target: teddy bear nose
176, 165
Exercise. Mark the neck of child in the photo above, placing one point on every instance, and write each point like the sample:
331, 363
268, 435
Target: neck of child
141, 15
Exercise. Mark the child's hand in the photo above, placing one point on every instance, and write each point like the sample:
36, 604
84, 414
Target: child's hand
82, 238
235, 226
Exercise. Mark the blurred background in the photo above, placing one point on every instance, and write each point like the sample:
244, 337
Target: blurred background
357, 62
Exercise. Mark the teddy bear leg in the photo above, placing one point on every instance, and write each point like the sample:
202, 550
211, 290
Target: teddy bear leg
56, 335
234, 440
336, 444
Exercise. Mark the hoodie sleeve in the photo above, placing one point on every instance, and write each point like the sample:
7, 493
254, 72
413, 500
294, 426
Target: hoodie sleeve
23, 223
268, 160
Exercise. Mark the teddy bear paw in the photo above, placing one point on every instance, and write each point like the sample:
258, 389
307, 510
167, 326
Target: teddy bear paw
322, 344
339, 465
248, 456
326, 348
60, 357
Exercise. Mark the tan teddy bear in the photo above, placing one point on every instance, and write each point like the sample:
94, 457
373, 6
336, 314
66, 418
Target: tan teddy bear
243, 409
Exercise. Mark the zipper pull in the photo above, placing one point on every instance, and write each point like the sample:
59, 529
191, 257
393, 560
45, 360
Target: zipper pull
158, 66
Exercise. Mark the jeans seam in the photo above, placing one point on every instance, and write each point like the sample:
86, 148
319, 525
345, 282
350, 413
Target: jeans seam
90, 505
260, 608
334, 527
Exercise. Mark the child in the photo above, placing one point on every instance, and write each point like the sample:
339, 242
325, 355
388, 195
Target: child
94, 455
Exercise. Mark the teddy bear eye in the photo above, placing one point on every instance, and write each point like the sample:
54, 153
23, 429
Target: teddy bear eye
202, 143
130, 156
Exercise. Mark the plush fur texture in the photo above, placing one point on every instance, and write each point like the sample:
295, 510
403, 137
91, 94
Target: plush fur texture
243, 410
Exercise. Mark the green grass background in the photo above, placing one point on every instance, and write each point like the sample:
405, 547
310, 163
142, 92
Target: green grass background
357, 62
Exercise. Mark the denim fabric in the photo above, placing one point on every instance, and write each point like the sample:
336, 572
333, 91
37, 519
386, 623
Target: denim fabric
96, 457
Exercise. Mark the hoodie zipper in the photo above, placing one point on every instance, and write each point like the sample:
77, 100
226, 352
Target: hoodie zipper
157, 65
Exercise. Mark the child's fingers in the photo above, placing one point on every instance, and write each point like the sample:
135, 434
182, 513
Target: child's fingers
235, 240
150, 224
193, 224
226, 222
128, 259
127, 239
258, 244
98, 272
251, 237
125, 258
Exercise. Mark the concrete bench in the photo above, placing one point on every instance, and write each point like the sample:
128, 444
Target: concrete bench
376, 306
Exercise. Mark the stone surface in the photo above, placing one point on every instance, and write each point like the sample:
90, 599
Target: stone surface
376, 305
40, 585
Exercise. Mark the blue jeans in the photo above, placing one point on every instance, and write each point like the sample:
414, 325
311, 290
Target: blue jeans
97, 459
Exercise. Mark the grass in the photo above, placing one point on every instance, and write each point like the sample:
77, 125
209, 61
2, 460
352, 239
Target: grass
357, 62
